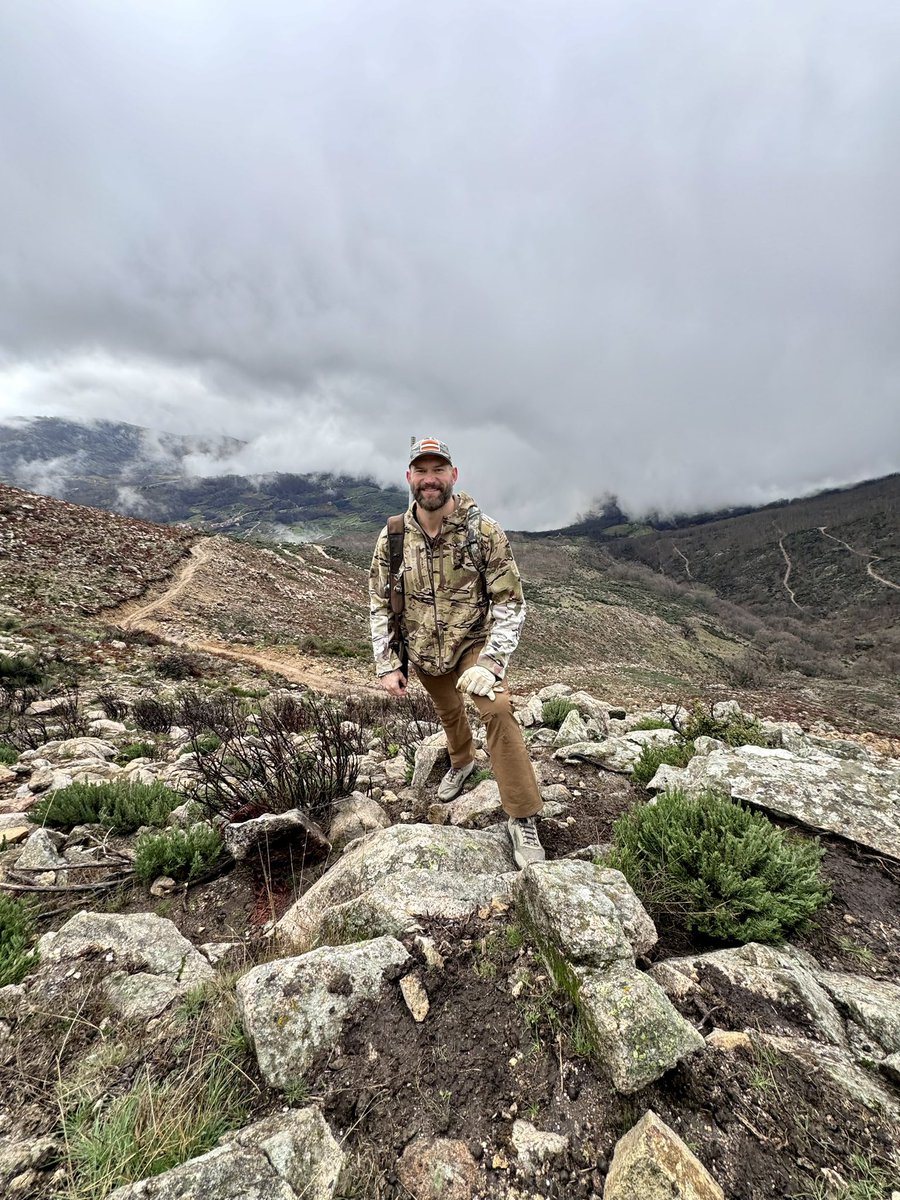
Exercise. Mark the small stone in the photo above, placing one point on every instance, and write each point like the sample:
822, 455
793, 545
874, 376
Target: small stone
415, 996
536, 1146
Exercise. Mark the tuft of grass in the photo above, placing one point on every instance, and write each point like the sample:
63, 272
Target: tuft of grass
651, 723
121, 807
677, 754
135, 750
207, 744
8, 754
555, 711
182, 854
17, 936
480, 776
155, 1125
719, 868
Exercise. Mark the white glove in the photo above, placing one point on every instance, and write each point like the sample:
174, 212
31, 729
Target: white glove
479, 681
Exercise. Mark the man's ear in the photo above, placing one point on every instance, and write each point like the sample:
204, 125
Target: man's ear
408, 477
455, 474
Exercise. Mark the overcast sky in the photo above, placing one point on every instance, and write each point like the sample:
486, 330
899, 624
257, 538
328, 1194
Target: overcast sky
649, 247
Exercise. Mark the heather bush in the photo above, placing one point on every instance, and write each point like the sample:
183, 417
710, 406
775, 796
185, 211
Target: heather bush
719, 868
555, 711
182, 854
119, 806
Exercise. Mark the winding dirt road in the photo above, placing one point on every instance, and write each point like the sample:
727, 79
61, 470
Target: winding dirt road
873, 558
289, 662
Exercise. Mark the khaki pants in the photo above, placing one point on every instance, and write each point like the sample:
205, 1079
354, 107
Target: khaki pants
510, 763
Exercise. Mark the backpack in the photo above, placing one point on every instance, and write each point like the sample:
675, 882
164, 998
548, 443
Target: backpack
396, 531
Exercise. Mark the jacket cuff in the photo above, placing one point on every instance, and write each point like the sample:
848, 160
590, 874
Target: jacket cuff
491, 664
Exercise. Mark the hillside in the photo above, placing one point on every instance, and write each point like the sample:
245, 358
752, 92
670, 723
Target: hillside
126, 469
820, 555
257, 931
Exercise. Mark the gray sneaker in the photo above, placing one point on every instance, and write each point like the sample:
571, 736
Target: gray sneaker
452, 783
526, 844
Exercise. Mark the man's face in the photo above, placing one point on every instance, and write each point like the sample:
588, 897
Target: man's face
431, 481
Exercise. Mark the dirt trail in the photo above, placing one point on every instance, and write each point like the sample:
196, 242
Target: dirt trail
787, 573
873, 558
687, 565
293, 665
133, 614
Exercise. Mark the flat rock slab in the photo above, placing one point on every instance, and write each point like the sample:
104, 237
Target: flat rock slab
637, 1034
284, 1157
841, 1069
651, 1162
139, 938
294, 1007
872, 1003
857, 799
620, 754
786, 978
436, 848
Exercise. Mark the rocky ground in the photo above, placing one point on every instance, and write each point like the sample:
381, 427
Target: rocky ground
385, 1007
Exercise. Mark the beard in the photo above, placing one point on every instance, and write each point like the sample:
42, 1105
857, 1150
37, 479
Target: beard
431, 499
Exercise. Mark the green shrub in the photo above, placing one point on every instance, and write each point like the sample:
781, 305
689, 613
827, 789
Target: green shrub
17, 935
652, 723
675, 754
183, 854
207, 744
721, 869
8, 754
17, 671
555, 711
121, 807
135, 750
734, 731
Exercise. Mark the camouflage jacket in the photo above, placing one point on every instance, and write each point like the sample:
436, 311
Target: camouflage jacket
448, 605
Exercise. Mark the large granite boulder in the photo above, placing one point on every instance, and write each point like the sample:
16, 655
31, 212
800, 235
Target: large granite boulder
289, 1156
444, 850
150, 963
397, 904
858, 799
637, 1034
294, 1007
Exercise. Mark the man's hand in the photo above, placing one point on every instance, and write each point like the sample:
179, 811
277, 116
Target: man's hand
394, 683
479, 681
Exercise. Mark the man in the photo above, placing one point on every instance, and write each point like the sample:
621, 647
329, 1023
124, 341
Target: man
462, 612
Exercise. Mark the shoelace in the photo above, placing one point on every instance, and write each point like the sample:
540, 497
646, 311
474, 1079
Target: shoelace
529, 831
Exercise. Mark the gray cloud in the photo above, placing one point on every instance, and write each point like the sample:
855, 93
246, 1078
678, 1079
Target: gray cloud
642, 248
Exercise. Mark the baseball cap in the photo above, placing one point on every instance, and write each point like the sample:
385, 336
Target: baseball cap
429, 445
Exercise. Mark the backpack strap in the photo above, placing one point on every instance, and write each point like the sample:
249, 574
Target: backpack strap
473, 539
396, 530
